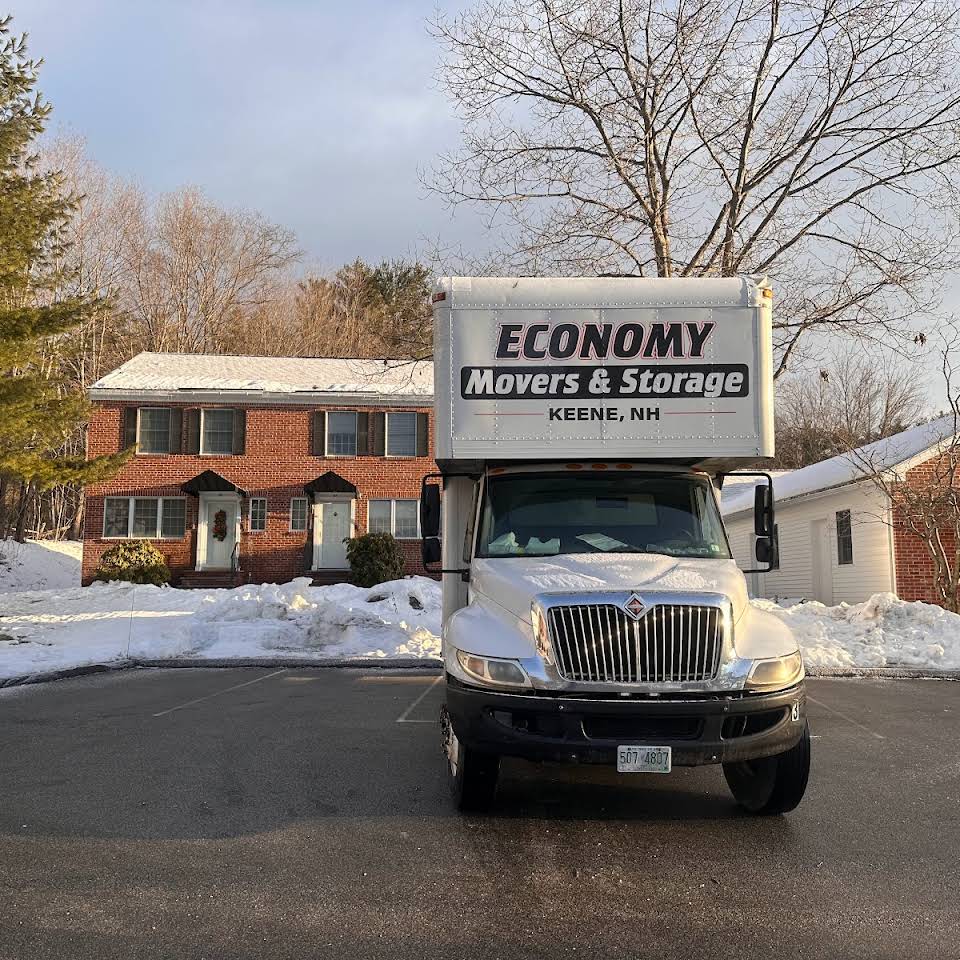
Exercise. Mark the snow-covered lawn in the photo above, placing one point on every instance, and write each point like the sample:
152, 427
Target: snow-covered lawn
882, 632
49, 623
39, 565
46, 630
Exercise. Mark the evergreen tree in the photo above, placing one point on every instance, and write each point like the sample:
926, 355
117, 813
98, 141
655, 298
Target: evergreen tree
38, 412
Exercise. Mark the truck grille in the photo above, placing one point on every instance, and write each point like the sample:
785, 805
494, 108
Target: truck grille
669, 643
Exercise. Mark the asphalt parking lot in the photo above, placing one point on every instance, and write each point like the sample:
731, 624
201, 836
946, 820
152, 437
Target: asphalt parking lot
265, 813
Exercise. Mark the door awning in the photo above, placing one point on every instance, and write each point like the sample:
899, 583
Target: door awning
211, 482
330, 482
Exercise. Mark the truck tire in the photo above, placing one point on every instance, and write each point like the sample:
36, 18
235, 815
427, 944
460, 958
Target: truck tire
771, 785
471, 775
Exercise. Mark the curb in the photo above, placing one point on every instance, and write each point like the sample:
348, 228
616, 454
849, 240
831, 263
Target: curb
425, 664
65, 674
365, 663
883, 673
183, 663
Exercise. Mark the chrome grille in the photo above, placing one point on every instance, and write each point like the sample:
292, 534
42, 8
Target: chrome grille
669, 643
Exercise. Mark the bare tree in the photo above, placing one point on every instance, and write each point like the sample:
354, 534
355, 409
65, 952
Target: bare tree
925, 496
816, 141
856, 399
192, 268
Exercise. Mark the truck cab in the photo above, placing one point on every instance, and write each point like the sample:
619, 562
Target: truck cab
592, 611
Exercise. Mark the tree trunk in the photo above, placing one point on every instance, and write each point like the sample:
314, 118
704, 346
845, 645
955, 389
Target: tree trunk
23, 511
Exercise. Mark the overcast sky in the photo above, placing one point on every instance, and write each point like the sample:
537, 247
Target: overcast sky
316, 113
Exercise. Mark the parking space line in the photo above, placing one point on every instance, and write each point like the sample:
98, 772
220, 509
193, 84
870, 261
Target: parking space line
416, 703
843, 716
217, 693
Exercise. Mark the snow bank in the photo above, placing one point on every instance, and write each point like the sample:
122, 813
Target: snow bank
47, 630
884, 631
39, 564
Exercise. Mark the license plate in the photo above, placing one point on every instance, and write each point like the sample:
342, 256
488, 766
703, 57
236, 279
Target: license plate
643, 759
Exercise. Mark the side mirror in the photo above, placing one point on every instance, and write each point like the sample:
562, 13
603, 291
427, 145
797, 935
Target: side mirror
767, 552
763, 511
429, 510
430, 550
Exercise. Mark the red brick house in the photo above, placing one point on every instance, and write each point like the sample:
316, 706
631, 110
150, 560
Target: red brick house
255, 469
843, 536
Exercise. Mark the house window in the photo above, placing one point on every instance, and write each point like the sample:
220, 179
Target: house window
401, 434
173, 517
298, 513
844, 538
216, 431
153, 431
258, 514
342, 434
399, 517
147, 518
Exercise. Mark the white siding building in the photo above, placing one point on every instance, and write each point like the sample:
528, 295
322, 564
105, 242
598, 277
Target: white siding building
834, 527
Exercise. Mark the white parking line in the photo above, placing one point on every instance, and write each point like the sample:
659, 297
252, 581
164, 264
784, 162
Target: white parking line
843, 716
416, 703
217, 693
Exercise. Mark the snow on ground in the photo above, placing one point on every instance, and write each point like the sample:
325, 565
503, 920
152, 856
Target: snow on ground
45, 630
884, 631
39, 564
64, 626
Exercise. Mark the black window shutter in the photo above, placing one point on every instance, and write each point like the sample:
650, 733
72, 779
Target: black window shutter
176, 430
318, 440
308, 546
377, 434
363, 433
423, 435
193, 431
128, 427
239, 431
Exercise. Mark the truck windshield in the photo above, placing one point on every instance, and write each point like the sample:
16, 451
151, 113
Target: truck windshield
546, 514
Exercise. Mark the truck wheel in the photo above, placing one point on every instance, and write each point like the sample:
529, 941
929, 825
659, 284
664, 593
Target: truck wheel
771, 785
472, 776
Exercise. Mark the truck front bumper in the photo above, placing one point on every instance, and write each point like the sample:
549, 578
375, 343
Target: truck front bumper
714, 728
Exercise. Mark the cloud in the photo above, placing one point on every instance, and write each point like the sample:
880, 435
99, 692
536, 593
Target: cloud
317, 114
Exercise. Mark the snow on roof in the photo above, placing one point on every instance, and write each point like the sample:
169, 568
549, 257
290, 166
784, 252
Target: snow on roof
172, 372
735, 486
886, 454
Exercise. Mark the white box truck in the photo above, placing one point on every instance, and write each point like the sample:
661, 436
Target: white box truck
592, 612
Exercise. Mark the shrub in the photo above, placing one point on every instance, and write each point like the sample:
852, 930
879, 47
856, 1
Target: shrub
136, 562
374, 558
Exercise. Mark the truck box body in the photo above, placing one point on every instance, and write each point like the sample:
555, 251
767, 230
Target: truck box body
663, 370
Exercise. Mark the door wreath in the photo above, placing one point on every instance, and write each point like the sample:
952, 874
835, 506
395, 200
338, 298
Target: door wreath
220, 525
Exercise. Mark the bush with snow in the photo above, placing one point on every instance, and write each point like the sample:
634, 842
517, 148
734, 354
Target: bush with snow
136, 561
374, 558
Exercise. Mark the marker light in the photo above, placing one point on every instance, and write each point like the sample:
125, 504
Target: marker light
504, 672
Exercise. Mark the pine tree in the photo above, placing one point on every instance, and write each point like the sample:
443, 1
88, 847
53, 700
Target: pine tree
37, 410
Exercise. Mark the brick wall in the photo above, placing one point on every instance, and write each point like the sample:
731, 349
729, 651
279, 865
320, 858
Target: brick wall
915, 570
276, 465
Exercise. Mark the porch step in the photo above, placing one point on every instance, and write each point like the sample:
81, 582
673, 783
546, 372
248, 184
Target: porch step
209, 580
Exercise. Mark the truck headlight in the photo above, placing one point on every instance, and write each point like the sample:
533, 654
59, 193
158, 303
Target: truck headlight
776, 674
507, 673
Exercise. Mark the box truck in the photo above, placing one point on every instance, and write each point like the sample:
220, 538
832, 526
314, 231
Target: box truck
592, 611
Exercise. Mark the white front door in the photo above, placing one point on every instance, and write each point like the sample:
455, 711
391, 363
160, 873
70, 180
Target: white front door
219, 520
821, 556
333, 523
